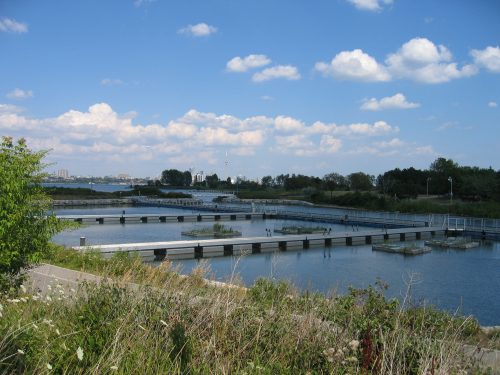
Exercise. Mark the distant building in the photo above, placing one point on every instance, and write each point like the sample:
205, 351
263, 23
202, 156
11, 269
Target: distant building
123, 176
63, 173
198, 177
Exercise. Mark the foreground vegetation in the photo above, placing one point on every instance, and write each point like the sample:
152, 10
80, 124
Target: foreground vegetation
174, 324
25, 229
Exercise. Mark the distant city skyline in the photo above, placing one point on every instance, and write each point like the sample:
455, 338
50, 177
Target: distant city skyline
252, 88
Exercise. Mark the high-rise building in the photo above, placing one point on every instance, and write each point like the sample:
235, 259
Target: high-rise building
63, 173
198, 177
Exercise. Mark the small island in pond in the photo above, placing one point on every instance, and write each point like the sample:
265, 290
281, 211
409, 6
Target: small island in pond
300, 230
215, 231
406, 249
453, 243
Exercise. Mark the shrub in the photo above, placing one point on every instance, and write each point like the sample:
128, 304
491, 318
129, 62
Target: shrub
25, 227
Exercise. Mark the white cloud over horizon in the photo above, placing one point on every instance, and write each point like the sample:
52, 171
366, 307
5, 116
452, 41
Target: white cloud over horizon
100, 132
419, 60
397, 101
9, 25
199, 30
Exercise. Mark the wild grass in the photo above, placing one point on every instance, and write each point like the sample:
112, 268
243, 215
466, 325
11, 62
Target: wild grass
184, 325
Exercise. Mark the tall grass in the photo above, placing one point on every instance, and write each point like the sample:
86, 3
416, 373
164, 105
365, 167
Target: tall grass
176, 325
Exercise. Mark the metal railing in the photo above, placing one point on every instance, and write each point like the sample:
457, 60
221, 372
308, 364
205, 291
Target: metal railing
444, 221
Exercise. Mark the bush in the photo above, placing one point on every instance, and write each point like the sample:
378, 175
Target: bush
25, 227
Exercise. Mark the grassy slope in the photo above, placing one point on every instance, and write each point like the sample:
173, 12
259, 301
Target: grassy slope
183, 325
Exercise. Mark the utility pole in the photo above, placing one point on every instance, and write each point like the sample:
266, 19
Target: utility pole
451, 189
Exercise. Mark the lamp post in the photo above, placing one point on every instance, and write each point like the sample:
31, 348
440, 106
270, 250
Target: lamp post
451, 189
428, 179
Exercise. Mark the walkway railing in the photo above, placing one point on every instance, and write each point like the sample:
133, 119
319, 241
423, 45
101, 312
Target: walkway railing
362, 216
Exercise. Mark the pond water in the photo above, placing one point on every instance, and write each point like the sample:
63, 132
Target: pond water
152, 232
108, 188
467, 281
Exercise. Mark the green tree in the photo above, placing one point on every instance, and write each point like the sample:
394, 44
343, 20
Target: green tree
212, 181
25, 226
360, 181
175, 177
267, 182
334, 181
188, 178
172, 177
441, 170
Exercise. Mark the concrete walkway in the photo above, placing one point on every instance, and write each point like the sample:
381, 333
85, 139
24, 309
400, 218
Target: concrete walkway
45, 275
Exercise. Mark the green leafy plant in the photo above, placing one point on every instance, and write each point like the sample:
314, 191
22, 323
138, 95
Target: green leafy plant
25, 226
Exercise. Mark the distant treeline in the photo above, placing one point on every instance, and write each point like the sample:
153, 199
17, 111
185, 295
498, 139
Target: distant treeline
443, 176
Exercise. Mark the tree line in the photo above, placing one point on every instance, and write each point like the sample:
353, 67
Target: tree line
443, 177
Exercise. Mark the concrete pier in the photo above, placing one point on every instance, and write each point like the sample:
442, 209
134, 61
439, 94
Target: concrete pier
236, 246
159, 218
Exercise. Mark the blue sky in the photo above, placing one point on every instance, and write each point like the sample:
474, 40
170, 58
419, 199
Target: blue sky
137, 87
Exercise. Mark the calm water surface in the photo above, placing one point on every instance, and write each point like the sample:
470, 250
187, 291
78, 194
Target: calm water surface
467, 281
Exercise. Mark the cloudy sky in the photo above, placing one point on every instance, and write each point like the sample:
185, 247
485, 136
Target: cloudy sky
311, 87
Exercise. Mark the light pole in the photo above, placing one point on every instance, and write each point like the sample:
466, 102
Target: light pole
428, 179
451, 189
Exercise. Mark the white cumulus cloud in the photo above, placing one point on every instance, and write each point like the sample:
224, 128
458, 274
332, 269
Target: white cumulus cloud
488, 58
419, 59
288, 124
10, 108
354, 65
349, 130
198, 30
100, 134
238, 64
397, 101
287, 72
371, 5
392, 143
12, 26
20, 94
492, 104
330, 144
